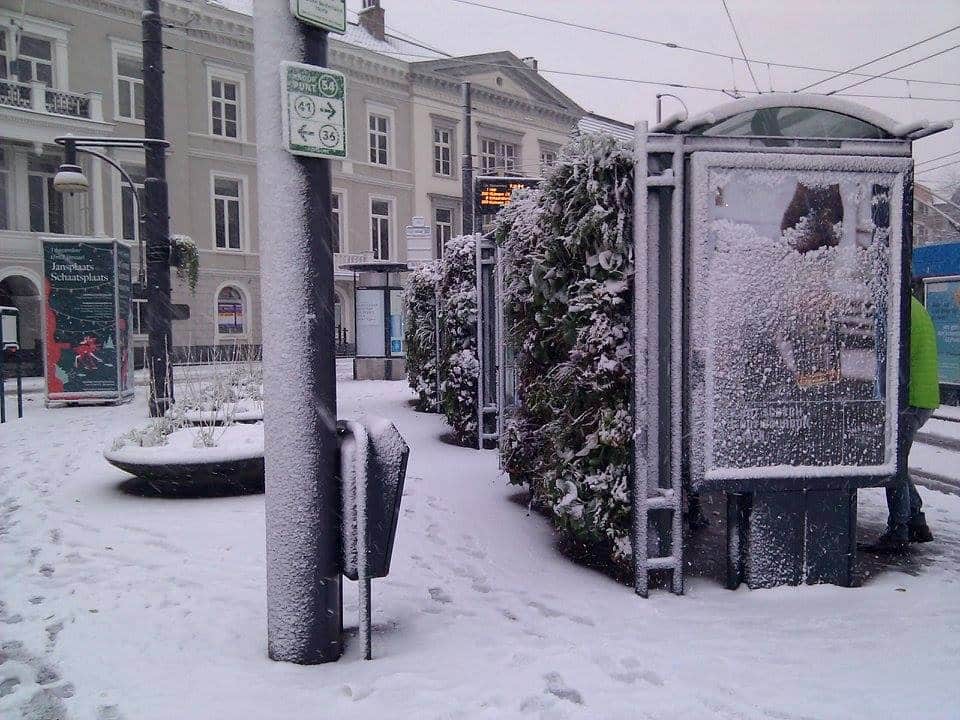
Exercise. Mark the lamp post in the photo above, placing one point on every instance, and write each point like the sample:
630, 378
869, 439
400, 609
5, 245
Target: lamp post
660, 97
70, 179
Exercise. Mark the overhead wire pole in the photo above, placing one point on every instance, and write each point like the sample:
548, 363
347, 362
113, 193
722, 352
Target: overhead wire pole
156, 210
740, 43
466, 165
850, 71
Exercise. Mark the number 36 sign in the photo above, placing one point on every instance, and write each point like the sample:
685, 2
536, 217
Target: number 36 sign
314, 118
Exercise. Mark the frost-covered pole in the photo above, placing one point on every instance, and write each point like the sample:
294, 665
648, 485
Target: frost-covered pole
302, 492
467, 161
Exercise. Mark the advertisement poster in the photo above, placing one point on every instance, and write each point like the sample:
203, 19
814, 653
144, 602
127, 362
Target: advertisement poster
370, 323
125, 317
87, 353
795, 302
942, 299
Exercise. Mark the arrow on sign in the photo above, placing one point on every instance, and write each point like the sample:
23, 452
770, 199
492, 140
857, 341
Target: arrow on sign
304, 133
330, 110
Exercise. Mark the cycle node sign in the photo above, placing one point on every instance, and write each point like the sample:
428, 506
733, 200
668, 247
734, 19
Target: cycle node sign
314, 117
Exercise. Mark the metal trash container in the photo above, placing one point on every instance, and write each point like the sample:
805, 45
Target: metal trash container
373, 464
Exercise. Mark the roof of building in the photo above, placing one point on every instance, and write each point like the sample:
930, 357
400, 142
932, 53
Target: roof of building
593, 123
391, 45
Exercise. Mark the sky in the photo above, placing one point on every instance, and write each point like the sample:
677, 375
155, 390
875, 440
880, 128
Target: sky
834, 34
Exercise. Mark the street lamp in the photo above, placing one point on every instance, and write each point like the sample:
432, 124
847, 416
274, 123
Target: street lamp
660, 97
70, 179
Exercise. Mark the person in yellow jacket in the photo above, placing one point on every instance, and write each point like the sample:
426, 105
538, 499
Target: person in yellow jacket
907, 522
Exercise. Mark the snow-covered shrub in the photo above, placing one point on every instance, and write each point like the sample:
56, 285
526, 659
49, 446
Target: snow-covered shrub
153, 434
460, 367
419, 303
568, 257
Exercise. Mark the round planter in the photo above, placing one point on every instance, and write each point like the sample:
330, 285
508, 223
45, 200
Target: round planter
234, 464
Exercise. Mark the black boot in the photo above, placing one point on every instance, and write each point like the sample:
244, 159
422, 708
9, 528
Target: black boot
918, 530
894, 540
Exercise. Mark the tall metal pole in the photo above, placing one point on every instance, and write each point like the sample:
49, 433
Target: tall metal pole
304, 601
157, 215
467, 161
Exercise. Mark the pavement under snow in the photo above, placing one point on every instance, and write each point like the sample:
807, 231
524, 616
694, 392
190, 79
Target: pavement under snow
119, 606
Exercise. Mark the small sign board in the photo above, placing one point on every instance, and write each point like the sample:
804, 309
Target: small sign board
314, 117
419, 237
326, 14
493, 193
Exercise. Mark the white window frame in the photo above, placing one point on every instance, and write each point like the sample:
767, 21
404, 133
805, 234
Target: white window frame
438, 246
57, 33
140, 303
118, 184
247, 314
123, 47
549, 153
342, 218
48, 192
7, 171
391, 226
391, 115
244, 213
225, 74
437, 149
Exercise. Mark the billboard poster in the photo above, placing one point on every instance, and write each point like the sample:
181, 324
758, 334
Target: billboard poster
370, 323
795, 318
125, 317
942, 299
396, 323
84, 359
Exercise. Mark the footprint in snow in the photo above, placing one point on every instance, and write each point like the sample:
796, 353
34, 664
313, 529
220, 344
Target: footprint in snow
439, 595
558, 688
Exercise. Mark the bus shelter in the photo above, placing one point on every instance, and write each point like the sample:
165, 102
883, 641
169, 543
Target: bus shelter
378, 320
772, 259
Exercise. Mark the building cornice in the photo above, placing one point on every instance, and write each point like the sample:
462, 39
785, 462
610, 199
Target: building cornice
449, 91
205, 23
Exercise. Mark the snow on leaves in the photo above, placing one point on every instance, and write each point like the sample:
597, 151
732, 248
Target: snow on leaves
420, 298
568, 257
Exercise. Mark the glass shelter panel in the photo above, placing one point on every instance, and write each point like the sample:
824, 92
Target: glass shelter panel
795, 311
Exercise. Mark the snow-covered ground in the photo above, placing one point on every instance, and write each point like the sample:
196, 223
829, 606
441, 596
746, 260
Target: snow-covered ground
118, 606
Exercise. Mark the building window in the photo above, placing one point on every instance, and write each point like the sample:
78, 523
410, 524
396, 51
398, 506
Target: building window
442, 152
46, 204
4, 188
127, 205
139, 316
336, 229
230, 320
442, 228
228, 229
498, 157
35, 60
224, 107
380, 229
129, 85
3, 55
548, 158
379, 139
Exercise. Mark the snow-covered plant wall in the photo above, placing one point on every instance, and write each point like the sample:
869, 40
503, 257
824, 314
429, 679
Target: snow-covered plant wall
420, 335
568, 257
460, 366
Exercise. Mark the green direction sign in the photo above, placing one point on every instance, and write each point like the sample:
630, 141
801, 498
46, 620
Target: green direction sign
314, 117
327, 14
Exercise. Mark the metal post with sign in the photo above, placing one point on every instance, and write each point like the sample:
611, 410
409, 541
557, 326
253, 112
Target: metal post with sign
301, 124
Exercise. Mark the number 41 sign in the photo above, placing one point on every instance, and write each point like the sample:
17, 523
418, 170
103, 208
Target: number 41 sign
314, 118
